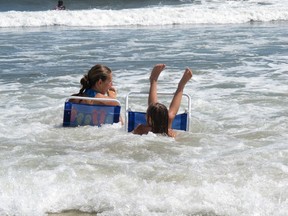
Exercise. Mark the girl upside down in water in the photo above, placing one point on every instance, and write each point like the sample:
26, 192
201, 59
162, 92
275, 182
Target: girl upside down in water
159, 118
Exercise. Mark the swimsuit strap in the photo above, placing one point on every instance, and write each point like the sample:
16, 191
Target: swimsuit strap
90, 92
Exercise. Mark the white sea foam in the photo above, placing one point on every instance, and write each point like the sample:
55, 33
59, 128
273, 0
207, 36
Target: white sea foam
233, 161
212, 13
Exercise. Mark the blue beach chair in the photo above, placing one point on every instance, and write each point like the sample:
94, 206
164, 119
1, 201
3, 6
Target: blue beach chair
134, 118
76, 114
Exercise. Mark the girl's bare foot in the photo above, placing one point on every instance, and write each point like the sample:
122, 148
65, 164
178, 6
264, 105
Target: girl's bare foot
158, 68
187, 75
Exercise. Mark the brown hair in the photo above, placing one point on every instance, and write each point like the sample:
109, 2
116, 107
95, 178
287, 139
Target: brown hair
158, 114
96, 73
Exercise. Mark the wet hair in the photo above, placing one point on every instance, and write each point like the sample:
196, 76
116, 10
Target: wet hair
60, 3
96, 73
158, 114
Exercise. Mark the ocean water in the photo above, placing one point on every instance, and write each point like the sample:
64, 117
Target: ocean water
232, 162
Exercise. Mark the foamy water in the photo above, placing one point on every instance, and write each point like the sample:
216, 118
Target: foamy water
233, 161
212, 12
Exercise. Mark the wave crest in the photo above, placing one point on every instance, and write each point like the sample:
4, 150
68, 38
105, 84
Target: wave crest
144, 16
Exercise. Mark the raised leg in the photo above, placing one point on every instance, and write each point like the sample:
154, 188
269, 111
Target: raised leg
158, 68
176, 101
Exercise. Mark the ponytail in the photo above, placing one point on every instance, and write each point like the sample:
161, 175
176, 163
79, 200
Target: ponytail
84, 83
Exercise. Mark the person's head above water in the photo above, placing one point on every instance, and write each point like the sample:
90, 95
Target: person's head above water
157, 118
60, 3
99, 78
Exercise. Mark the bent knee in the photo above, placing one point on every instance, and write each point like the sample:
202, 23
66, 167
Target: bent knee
171, 116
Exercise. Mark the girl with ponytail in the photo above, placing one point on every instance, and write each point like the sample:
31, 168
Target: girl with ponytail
97, 83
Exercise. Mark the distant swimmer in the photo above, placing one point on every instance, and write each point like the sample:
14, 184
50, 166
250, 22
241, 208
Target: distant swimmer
60, 6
